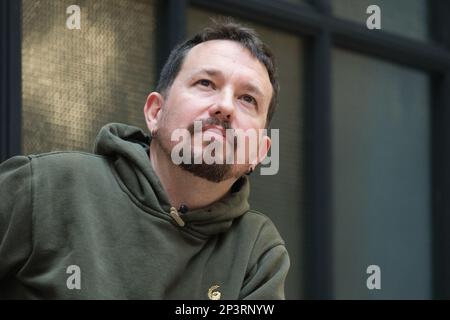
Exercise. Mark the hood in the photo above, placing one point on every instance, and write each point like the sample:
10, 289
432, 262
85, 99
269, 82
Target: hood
128, 148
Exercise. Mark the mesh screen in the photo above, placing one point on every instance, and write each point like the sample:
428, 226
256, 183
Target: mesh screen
75, 81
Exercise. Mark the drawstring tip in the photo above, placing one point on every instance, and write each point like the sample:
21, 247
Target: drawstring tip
176, 216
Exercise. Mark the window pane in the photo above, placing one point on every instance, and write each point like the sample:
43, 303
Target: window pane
404, 17
280, 196
75, 81
381, 178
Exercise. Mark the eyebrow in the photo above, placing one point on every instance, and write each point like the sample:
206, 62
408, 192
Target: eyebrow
214, 72
209, 72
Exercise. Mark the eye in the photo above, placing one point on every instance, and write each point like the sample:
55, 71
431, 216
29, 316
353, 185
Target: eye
205, 83
249, 99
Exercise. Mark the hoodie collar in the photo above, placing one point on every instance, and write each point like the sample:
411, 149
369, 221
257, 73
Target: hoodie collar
128, 148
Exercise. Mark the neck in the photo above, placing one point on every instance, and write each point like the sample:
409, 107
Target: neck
181, 186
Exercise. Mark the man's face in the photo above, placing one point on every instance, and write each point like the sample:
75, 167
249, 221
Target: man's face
223, 85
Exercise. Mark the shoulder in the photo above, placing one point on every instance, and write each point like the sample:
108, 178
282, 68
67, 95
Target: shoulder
53, 164
261, 228
263, 223
65, 166
59, 162
71, 157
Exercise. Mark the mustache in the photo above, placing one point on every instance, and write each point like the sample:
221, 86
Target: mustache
210, 122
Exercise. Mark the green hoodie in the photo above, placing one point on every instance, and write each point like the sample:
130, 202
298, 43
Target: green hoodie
76, 225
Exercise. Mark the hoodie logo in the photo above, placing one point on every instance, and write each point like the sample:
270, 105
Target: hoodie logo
213, 294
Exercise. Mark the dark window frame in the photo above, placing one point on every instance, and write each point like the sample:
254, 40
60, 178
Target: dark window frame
440, 29
10, 79
322, 32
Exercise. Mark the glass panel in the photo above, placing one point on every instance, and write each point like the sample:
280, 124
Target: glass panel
404, 17
280, 196
381, 174
75, 81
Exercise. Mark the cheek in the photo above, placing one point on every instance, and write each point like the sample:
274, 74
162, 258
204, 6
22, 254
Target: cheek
248, 123
181, 113
170, 122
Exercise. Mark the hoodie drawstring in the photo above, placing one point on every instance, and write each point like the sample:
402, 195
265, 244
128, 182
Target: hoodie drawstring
176, 216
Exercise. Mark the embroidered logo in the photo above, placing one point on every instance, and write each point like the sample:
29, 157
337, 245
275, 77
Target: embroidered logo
213, 294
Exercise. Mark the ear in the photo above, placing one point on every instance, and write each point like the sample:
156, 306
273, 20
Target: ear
264, 147
152, 110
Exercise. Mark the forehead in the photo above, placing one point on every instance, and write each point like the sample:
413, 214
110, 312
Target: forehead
229, 57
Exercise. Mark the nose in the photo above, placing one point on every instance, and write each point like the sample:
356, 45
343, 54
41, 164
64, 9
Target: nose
224, 106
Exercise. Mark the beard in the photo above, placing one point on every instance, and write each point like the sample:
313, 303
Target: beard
211, 172
214, 172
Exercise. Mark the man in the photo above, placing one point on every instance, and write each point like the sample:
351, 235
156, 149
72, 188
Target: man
127, 222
